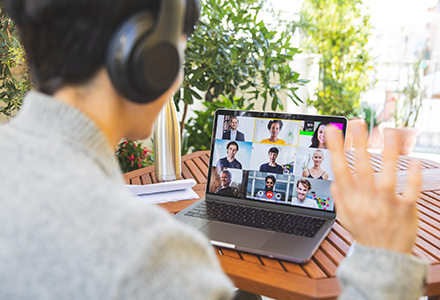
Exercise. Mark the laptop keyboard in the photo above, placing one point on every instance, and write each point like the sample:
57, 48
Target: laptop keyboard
258, 218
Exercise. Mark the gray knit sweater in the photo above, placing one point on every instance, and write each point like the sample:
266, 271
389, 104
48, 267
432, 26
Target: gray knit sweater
70, 230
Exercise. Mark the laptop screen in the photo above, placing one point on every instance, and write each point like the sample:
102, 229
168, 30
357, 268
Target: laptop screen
272, 157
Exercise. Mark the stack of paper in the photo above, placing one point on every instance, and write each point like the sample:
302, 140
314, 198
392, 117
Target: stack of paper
165, 191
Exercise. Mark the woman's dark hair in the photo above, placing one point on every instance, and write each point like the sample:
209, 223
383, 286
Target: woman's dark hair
275, 121
315, 141
66, 40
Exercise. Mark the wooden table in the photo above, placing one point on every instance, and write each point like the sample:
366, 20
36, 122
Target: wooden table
316, 279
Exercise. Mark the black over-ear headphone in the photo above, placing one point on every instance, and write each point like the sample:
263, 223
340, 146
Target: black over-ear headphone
145, 54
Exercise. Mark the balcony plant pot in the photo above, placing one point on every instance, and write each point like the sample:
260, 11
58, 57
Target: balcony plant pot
407, 137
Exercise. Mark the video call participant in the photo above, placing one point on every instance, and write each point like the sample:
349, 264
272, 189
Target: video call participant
233, 134
269, 188
270, 183
272, 166
318, 138
229, 161
226, 189
274, 127
316, 172
303, 186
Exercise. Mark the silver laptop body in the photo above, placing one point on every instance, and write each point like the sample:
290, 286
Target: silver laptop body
274, 172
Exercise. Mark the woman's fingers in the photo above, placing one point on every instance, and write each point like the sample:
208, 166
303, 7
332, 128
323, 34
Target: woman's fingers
343, 177
391, 150
364, 171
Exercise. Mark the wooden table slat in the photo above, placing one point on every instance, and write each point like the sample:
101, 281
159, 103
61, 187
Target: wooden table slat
425, 215
427, 204
351, 161
428, 248
419, 252
136, 181
146, 179
230, 253
376, 163
434, 232
186, 173
343, 233
205, 158
431, 198
195, 171
251, 258
313, 270
273, 263
202, 167
326, 266
331, 252
338, 242
293, 268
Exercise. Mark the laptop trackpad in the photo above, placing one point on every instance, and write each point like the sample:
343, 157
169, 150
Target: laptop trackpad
237, 235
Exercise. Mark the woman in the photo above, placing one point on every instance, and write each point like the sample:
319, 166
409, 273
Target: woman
274, 127
316, 172
318, 138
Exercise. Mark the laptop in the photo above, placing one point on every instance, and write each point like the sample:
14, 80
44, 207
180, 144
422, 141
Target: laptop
268, 185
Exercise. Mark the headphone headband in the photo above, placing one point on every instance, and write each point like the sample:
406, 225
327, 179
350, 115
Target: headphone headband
146, 53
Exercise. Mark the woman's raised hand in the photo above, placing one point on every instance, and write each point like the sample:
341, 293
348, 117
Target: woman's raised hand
370, 209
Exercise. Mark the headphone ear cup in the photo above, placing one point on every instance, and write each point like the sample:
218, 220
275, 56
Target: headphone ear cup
156, 66
146, 53
123, 55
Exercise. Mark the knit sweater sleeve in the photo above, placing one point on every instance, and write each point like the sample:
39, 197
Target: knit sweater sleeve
373, 273
174, 262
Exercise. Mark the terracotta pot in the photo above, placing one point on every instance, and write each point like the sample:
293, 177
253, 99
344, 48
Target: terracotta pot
349, 135
407, 138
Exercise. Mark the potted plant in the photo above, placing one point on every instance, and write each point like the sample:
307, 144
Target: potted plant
234, 59
14, 72
407, 107
132, 155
